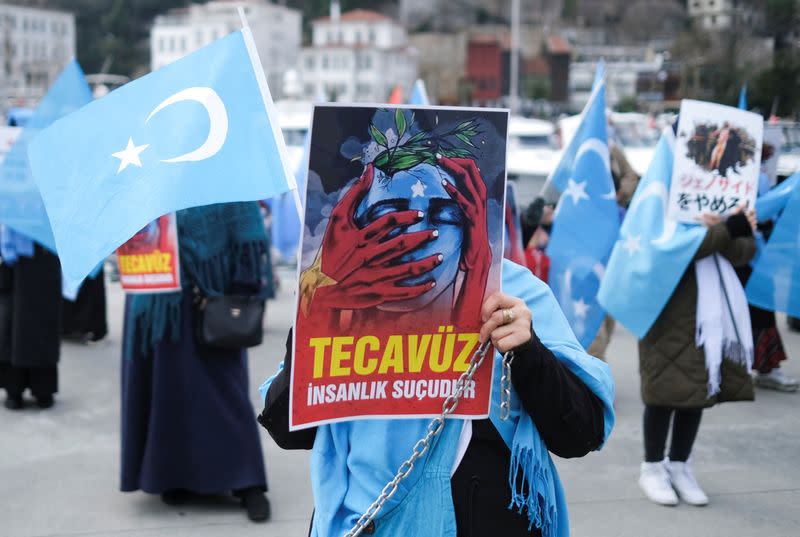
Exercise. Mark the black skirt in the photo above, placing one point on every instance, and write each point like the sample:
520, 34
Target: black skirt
85, 317
31, 289
187, 421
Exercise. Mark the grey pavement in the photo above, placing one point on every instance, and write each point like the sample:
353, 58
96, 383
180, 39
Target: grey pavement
59, 469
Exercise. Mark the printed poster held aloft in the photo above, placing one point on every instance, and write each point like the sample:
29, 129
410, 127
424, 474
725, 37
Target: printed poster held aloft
402, 241
717, 160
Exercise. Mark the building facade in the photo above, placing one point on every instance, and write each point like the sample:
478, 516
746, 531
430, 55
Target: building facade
358, 56
35, 46
444, 71
625, 65
725, 14
277, 31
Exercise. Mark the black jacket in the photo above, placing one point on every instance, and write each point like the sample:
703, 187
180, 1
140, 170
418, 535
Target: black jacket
568, 415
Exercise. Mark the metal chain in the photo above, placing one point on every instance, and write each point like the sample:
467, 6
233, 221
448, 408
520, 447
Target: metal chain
505, 385
421, 447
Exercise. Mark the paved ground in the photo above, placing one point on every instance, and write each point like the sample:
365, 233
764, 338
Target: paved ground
59, 468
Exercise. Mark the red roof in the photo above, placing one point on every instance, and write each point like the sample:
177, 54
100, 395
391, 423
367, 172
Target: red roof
359, 15
557, 45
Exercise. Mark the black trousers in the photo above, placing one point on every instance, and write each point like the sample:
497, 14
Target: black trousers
685, 424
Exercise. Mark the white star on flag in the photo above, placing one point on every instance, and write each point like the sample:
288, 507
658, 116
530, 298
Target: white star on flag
580, 308
577, 191
418, 189
632, 244
130, 155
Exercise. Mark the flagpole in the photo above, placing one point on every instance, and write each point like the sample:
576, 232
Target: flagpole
589, 103
269, 106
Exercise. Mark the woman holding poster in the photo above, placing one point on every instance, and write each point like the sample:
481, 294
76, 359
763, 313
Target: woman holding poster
471, 472
187, 421
698, 353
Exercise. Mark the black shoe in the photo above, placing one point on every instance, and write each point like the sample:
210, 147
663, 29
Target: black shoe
175, 496
45, 401
256, 503
14, 402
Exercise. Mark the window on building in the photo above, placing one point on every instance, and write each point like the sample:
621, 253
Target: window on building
713, 20
198, 38
161, 44
172, 44
367, 62
372, 36
183, 44
309, 90
310, 62
324, 61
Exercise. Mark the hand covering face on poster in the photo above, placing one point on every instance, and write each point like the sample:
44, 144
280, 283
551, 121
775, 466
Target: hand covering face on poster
402, 242
401, 234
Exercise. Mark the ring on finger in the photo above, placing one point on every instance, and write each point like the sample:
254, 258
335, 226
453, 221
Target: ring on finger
508, 315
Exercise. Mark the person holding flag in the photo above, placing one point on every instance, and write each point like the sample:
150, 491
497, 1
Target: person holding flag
772, 286
198, 137
673, 285
586, 220
30, 274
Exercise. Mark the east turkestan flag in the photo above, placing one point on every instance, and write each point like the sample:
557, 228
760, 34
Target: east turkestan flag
199, 131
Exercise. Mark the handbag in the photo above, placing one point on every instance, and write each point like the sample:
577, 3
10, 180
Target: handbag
229, 321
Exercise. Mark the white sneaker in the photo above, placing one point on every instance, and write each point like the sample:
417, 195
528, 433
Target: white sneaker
654, 482
680, 473
777, 380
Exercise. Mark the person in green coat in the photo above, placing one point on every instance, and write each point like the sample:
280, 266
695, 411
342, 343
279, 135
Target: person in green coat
679, 373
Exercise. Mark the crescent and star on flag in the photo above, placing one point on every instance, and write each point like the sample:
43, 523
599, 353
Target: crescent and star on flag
218, 131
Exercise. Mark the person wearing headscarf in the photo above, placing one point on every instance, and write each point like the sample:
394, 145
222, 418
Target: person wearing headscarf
698, 353
187, 423
30, 299
480, 477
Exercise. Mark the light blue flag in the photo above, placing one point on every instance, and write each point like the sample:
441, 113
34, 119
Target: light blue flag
419, 94
286, 225
21, 206
197, 132
743, 98
586, 224
775, 282
559, 177
772, 203
652, 252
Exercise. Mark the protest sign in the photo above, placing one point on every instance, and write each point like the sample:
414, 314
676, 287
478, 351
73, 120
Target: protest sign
770, 152
149, 262
717, 160
402, 241
514, 249
8, 135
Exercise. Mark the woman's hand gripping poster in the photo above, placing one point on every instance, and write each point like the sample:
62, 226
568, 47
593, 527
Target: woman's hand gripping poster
402, 241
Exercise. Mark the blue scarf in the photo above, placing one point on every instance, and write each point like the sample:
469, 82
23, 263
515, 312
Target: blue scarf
223, 249
14, 245
352, 461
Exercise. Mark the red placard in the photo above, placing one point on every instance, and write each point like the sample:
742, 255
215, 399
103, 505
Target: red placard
150, 262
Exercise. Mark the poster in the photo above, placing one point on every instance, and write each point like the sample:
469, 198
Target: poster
149, 262
8, 135
717, 160
402, 241
514, 249
770, 152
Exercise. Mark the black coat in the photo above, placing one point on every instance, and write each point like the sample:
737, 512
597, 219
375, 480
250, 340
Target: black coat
567, 414
31, 299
